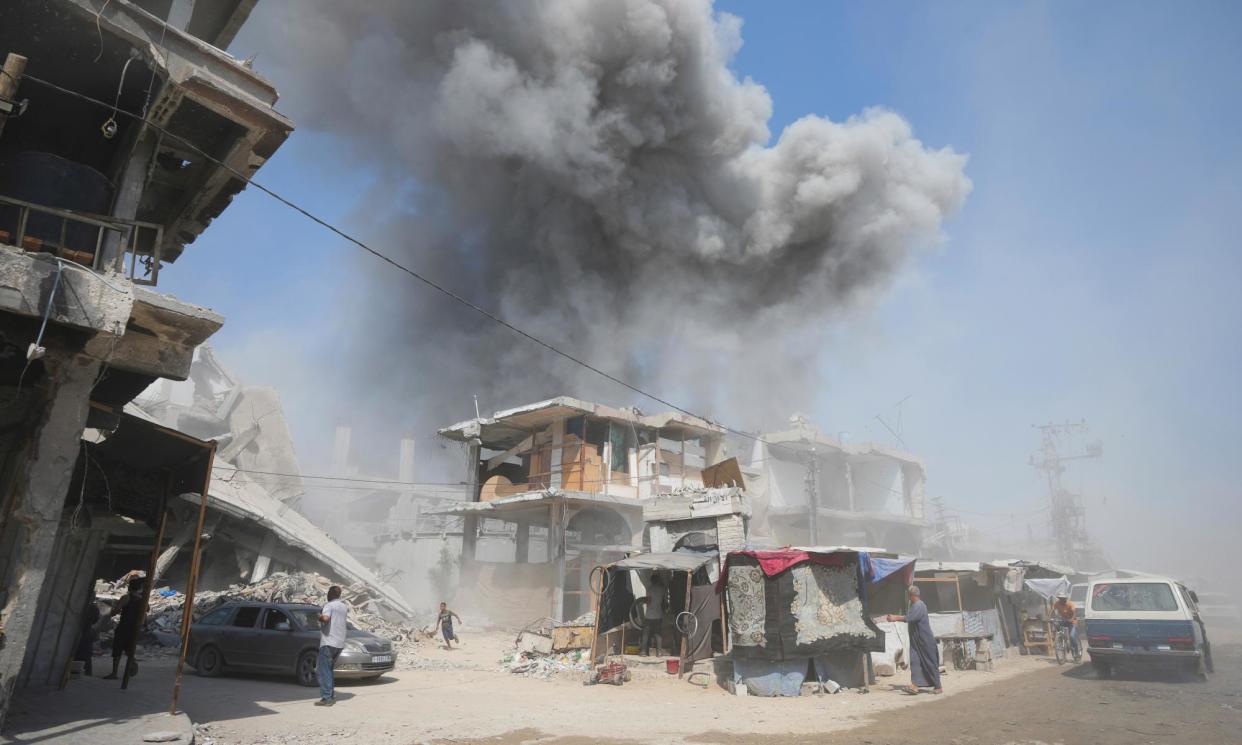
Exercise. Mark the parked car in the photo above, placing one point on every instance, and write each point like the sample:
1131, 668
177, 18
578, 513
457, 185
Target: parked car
1148, 621
280, 637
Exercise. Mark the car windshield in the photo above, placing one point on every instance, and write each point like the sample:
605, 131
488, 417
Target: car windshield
307, 618
1133, 596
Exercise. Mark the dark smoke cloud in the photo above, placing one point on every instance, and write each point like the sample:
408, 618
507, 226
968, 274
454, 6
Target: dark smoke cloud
595, 172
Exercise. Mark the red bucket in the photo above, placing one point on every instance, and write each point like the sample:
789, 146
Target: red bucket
673, 665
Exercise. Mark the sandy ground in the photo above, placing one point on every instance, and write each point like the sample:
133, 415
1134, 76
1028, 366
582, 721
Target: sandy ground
462, 696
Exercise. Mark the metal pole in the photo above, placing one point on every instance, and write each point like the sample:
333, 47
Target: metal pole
685, 635
187, 616
155, 553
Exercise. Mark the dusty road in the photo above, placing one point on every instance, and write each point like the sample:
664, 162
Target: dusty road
462, 697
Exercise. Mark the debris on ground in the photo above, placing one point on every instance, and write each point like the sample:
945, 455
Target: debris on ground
535, 656
163, 623
544, 667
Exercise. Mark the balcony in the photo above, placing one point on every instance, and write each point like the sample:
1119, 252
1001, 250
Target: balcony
104, 244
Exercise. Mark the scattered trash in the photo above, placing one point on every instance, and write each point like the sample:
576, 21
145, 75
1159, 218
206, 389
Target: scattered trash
534, 665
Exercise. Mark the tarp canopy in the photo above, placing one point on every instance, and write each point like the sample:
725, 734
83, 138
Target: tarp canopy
675, 561
774, 562
878, 570
1049, 588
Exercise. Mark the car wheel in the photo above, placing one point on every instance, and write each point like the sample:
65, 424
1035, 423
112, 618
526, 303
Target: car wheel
1201, 670
1207, 658
209, 663
308, 664
1103, 670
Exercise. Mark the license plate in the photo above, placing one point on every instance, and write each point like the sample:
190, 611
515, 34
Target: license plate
381, 658
1118, 646
1163, 648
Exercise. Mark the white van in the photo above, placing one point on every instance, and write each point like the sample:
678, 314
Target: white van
1152, 621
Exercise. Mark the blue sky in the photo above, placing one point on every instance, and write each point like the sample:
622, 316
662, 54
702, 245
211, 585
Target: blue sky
1092, 273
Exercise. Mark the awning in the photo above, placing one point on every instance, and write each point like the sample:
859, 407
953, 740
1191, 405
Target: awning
676, 561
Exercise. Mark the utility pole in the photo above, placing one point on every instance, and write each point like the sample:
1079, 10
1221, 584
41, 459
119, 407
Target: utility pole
942, 526
1068, 519
811, 485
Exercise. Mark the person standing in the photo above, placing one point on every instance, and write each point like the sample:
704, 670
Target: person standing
332, 629
924, 654
88, 635
653, 614
445, 621
125, 637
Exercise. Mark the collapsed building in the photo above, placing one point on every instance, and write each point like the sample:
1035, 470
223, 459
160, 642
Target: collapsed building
96, 202
252, 518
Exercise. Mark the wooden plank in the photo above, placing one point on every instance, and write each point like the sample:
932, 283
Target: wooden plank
565, 638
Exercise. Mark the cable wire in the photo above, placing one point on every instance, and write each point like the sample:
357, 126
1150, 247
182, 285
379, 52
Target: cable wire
396, 264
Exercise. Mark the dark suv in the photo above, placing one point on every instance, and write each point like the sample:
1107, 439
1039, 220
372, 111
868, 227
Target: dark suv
280, 637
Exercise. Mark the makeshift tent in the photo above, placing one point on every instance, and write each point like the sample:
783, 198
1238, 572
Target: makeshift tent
695, 608
1049, 588
789, 607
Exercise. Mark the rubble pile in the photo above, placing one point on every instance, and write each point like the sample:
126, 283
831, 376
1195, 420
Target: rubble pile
167, 606
535, 665
534, 656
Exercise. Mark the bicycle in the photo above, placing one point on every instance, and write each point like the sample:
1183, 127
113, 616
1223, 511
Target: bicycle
1063, 646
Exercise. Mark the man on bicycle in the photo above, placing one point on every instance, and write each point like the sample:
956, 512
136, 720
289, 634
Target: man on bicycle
1066, 615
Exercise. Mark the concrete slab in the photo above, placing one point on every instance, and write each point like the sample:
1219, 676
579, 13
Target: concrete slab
92, 711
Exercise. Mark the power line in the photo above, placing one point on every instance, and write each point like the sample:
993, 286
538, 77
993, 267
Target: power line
387, 259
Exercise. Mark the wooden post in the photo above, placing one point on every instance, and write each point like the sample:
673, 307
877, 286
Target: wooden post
14, 68
155, 553
187, 616
685, 635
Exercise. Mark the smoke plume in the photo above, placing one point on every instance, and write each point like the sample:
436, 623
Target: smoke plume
594, 172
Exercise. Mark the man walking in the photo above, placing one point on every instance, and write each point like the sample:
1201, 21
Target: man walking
125, 637
924, 654
331, 642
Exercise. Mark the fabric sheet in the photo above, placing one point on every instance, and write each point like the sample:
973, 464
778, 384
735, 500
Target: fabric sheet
826, 603
771, 677
705, 605
774, 562
1049, 588
809, 610
747, 606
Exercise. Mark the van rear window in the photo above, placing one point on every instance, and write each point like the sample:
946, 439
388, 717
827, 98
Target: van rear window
1133, 596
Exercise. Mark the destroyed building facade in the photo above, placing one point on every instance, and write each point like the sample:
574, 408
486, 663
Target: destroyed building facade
94, 205
557, 488
814, 490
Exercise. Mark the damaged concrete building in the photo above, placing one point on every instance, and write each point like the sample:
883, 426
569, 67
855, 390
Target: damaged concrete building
94, 205
810, 489
558, 487
253, 520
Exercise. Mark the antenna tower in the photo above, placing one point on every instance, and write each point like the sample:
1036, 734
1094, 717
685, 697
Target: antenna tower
1068, 519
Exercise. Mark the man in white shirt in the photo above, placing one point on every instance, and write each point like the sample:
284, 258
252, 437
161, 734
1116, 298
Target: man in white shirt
331, 642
